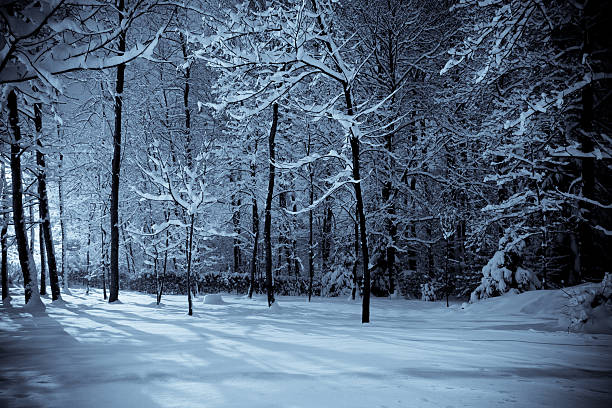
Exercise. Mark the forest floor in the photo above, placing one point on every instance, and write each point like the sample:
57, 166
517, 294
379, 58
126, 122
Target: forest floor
500, 352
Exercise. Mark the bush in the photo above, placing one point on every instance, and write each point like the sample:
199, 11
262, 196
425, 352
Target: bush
337, 282
503, 273
591, 308
428, 292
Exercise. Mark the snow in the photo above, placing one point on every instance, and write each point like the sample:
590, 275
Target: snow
35, 305
505, 351
213, 299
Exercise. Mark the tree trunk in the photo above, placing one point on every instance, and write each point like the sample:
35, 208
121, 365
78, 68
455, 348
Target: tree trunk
32, 228
88, 254
446, 272
294, 253
354, 141
103, 255
390, 224
268, 214
189, 252
255, 227
236, 202
283, 236
4, 264
165, 267
389, 203
43, 268
60, 189
129, 253
187, 75
585, 138
43, 210
365, 311
30, 280
574, 273
326, 240
356, 262
3, 232
116, 168
310, 232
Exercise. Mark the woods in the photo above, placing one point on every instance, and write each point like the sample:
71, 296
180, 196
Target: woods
414, 149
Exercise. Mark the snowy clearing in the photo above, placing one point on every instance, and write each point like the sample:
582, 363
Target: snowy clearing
506, 351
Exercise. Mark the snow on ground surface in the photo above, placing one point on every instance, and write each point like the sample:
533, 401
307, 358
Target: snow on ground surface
507, 352
213, 299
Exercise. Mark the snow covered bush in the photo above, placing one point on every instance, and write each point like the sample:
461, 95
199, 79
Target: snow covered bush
428, 292
337, 282
591, 308
503, 272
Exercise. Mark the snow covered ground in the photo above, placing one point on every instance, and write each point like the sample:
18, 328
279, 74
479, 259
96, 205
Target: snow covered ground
499, 352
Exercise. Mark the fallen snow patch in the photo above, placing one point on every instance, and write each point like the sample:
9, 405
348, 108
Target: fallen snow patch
213, 299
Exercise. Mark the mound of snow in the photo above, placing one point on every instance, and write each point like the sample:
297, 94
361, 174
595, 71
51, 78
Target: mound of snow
59, 302
590, 308
213, 299
6, 302
35, 306
580, 308
275, 308
540, 302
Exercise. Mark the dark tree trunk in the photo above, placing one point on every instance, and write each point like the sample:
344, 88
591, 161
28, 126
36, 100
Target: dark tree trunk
189, 253
103, 255
326, 243
25, 259
294, 254
283, 240
60, 190
585, 138
129, 253
268, 214
32, 229
116, 168
255, 227
160, 290
91, 215
365, 311
310, 232
354, 140
43, 210
187, 75
43, 267
390, 223
3, 233
356, 261
236, 202
4, 264
446, 271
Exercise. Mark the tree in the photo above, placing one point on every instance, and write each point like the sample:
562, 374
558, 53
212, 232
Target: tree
114, 206
3, 234
268, 210
286, 64
533, 114
187, 192
43, 208
28, 268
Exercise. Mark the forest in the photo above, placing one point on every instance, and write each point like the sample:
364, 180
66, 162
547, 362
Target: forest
446, 152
